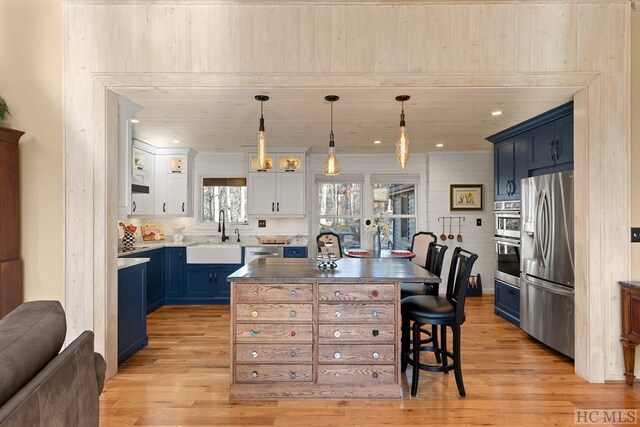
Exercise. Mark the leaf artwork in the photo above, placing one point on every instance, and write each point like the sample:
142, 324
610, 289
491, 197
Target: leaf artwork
466, 198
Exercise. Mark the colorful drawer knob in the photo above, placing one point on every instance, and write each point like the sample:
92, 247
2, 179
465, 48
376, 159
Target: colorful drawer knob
292, 354
337, 355
293, 292
375, 355
292, 313
254, 333
254, 313
292, 375
337, 314
254, 374
337, 334
375, 314
254, 354
337, 293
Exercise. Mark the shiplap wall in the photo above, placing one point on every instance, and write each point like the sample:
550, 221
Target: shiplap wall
584, 45
463, 168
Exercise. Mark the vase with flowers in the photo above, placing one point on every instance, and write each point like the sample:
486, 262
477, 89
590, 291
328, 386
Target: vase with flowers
377, 227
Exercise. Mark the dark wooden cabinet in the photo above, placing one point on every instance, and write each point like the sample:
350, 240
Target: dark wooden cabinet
132, 310
630, 337
11, 287
507, 302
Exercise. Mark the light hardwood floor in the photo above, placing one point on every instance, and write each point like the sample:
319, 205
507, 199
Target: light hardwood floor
182, 378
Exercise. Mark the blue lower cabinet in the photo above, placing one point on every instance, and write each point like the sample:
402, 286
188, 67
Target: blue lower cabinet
132, 310
155, 277
295, 251
174, 264
507, 302
207, 283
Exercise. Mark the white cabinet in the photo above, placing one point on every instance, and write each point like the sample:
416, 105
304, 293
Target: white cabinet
142, 182
280, 189
126, 111
174, 184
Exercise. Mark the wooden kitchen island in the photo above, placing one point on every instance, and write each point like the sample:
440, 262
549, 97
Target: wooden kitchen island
300, 332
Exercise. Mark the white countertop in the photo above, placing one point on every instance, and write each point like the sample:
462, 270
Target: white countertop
130, 262
143, 246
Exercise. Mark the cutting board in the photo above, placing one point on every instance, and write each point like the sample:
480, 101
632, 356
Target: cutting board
274, 240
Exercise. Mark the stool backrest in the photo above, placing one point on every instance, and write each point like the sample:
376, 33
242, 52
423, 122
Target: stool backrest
331, 241
420, 246
459, 273
435, 258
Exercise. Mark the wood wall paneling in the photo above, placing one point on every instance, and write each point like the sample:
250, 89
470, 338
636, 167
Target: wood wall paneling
475, 45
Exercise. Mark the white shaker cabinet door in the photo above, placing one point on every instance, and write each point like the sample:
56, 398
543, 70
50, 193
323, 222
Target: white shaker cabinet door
290, 194
177, 203
262, 194
161, 175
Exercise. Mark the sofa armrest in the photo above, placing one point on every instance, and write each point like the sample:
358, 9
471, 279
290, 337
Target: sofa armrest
64, 393
101, 368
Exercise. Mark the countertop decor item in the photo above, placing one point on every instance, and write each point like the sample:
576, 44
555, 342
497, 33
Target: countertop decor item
4, 110
151, 231
178, 236
377, 227
402, 145
129, 237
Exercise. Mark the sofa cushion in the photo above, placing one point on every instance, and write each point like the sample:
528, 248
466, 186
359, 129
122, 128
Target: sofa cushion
30, 337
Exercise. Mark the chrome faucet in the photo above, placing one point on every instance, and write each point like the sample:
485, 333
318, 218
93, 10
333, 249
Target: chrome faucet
238, 233
223, 238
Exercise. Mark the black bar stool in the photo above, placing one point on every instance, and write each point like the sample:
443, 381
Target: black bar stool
445, 311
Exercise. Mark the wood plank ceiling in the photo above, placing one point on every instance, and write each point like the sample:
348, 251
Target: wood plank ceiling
226, 119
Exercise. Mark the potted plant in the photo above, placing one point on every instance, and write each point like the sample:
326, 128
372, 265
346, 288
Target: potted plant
4, 110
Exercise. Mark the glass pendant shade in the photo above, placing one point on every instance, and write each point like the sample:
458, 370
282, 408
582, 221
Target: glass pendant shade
262, 139
402, 144
331, 164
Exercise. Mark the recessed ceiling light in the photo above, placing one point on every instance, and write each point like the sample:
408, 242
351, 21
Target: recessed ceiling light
176, 141
496, 113
135, 121
377, 142
439, 145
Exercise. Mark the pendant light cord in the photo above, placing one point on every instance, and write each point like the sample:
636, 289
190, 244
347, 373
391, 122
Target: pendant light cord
331, 135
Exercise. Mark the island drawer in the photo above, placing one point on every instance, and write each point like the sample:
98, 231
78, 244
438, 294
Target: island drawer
363, 375
273, 373
273, 333
356, 292
283, 353
273, 312
253, 292
356, 313
357, 353
383, 332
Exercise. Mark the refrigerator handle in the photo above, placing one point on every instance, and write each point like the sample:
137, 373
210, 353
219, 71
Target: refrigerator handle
556, 289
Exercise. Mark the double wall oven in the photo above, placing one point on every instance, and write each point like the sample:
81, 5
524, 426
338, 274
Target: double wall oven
507, 241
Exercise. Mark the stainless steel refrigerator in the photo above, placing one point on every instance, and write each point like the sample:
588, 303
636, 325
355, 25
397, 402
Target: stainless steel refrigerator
547, 260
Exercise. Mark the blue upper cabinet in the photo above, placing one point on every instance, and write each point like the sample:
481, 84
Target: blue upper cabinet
541, 145
510, 163
552, 146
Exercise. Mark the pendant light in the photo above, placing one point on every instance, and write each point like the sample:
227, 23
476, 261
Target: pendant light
402, 145
331, 164
262, 141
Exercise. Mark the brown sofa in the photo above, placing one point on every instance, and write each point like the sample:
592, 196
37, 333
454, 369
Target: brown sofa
38, 385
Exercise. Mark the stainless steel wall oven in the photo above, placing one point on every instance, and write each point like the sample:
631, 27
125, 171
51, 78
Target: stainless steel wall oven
507, 241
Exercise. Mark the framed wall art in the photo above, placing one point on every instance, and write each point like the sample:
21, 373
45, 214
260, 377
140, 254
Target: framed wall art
466, 197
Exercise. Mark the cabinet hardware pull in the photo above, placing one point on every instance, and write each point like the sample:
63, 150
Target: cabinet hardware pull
337, 334
513, 187
375, 313
337, 314
254, 313
278, 206
182, 206
254, 374
337, 355
374, 375
293, 292
292, 375
375, 332
374, 293
337, 293
134, 206
254, 354
254, 333
508, 185
210, 277
273, 206
164, 207
292, 354
375, 355
293, 333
